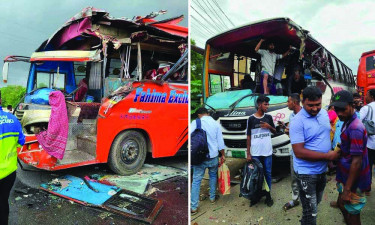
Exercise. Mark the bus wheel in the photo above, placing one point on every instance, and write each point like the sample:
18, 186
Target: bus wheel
128, 153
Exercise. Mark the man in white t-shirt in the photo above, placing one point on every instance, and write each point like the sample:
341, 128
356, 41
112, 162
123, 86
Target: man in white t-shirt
363, 116
259, 146
268, 59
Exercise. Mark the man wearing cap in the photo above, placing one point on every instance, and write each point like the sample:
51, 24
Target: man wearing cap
259, 146
268, 59
310, 139
11, 137
353, 169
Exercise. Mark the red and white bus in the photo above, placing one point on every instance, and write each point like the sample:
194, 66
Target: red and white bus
137, 83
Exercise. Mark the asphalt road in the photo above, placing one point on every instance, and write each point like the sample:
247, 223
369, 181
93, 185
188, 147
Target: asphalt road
32, 206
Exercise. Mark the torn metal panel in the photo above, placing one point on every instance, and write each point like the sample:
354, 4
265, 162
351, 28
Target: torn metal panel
134, 206
155, 173
78, 191
112, 84
108, 30
111, 198
72, 31
93, 22
135, 184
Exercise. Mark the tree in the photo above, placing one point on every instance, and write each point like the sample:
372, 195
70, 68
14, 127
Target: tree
196, 70
11, 95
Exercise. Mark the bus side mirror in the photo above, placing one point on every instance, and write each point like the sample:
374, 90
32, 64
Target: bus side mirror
5, 72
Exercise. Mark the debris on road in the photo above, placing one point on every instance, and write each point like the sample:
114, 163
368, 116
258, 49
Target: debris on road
137, 185
78, 191
218, 208
134, 205
111, 198
140, 182
22, 190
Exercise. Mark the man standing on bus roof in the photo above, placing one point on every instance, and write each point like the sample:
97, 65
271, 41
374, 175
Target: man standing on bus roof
352, 175
259, 146
310, 139
268, 59
216, 144
11, 137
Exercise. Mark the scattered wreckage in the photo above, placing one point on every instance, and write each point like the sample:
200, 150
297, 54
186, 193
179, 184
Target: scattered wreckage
137, 91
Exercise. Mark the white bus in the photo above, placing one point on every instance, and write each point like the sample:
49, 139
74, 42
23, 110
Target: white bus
231, 55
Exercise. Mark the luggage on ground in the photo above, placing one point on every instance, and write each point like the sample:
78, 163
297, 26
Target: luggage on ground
252, 181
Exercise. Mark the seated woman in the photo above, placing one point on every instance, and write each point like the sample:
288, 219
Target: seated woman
82, 91
296, 82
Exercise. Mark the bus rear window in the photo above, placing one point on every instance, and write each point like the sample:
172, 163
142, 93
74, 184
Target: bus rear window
370, 63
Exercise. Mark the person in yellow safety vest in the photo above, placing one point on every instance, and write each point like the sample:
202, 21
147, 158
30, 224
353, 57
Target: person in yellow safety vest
11, 137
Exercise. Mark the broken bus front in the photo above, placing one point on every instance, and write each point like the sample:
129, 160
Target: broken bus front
137, 83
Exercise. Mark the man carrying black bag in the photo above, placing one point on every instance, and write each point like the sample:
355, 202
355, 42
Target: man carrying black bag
215, 143
259, 128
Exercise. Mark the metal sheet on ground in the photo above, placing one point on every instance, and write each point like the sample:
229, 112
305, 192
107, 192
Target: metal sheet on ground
78, 191
133, 205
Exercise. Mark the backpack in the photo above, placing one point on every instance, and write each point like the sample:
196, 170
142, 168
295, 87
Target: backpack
198, 146
369, 123
252, 180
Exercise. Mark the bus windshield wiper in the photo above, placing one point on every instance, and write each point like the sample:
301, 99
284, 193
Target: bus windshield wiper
233, 106
210, 107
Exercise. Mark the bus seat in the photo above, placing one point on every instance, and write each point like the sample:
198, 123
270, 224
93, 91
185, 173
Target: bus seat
89, 110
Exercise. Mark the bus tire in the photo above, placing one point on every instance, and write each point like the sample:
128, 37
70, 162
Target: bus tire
128, 153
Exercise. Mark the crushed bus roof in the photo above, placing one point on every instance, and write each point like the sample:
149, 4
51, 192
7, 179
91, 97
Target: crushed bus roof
93, 27
282, 30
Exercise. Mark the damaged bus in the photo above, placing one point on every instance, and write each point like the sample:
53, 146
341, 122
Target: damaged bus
366, 73
125, 86
230, 56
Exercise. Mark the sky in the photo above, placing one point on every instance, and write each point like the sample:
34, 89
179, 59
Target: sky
25, 24
345, 28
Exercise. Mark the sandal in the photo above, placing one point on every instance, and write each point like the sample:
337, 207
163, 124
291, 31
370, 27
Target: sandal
290, 204
193, 212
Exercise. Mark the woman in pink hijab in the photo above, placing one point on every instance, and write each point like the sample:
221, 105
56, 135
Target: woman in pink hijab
332, 120
54, 139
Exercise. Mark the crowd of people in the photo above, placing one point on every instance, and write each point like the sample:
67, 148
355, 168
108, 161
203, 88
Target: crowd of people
318, 137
